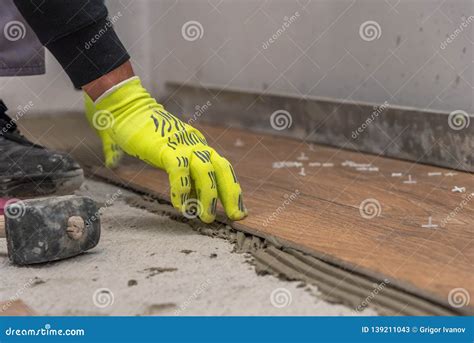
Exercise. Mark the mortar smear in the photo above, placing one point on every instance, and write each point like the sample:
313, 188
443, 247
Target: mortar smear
335, 284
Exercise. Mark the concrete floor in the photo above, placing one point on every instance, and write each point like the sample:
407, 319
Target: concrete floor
147, 264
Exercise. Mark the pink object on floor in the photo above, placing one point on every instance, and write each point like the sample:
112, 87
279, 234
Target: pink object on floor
3, 202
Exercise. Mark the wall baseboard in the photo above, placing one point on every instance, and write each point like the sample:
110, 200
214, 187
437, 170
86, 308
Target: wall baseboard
403, 133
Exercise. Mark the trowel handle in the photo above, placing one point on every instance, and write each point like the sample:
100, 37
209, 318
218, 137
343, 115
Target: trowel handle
2, 227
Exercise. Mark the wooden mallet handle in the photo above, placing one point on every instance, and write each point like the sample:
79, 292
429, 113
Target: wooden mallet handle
2, 227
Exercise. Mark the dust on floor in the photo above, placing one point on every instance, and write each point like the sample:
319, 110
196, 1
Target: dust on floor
148, 264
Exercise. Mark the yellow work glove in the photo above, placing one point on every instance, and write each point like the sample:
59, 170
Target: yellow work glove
112, 152
143, 128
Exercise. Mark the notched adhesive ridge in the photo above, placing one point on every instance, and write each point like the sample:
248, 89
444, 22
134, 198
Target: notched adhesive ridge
336, 285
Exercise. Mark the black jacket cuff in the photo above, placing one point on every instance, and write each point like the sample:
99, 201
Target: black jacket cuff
89, 52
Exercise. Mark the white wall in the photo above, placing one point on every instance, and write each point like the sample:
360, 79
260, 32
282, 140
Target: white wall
320, 54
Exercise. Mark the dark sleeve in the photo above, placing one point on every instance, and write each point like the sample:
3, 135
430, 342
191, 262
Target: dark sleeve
78, 33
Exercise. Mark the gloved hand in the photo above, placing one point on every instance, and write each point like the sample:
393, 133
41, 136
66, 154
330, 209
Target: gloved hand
143, 128
112, 152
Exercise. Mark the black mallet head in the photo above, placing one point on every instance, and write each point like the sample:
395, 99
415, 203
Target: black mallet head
50, 229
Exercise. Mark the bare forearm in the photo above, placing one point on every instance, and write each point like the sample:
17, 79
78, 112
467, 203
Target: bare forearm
99, 86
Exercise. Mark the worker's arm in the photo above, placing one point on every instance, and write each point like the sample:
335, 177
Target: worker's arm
126, 113
78, 34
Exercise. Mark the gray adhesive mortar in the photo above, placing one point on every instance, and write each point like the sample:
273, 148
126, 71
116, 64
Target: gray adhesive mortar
335, 284
153, 265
